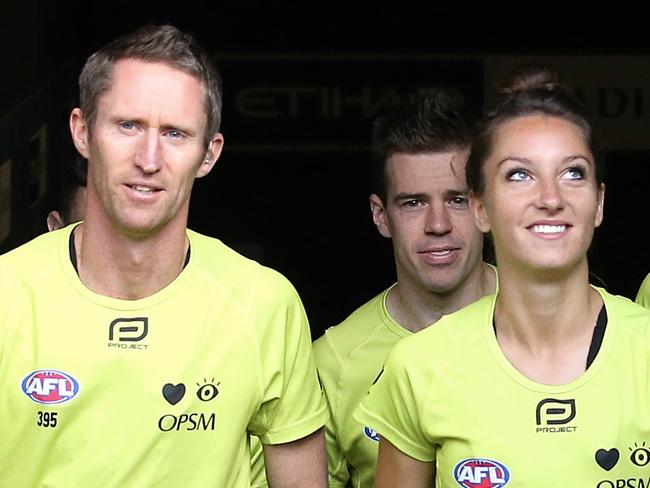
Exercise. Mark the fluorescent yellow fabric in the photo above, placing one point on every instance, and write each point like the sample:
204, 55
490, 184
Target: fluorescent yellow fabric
161, 391
448, 393
258, 472
349, 357
643, 297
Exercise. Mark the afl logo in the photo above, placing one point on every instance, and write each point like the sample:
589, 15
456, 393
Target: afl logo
481, 473
49, 386
371, 434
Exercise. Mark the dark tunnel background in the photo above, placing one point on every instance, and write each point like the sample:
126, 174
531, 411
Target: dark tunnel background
301, 84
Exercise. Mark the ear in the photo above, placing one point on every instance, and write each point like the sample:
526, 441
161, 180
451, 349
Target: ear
79, 130
480, 215
379, 216
54, 221
211, 155
600, 209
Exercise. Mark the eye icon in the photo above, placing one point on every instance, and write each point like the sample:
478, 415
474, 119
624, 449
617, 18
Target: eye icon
207, 391
640, 454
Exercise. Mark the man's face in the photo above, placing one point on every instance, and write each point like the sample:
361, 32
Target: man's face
426, 213
147, 147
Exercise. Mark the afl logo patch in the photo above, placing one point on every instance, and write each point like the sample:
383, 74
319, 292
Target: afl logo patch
371, 434
49, 386
481, 473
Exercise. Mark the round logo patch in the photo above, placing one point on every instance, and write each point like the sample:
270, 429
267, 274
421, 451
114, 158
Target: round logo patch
481, 473
49, 386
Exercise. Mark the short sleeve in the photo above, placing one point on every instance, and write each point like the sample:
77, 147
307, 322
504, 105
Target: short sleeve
329, 370
392, 406
643, 296
292, 401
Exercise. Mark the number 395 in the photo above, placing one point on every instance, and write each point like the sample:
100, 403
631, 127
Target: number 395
47, 419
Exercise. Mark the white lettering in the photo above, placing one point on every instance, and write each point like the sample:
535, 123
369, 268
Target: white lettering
466, 474
494, 476
481, 473
63, 391
50, 384
47, 385
35, 387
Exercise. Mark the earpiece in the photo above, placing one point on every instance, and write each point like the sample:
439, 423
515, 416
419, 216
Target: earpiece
208, 154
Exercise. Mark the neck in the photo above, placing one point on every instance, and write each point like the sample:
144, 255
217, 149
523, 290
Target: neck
537, 310
415, 308
116, 265
545, 321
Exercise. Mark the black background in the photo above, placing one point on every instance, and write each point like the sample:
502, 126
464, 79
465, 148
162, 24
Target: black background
293, 191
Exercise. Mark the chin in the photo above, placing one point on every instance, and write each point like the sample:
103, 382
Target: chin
442, 288
555, 268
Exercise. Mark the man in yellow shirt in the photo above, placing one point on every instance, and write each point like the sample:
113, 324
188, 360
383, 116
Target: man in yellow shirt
421, 203
136, 352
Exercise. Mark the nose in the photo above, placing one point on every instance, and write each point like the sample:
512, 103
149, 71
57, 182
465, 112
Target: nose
149, 156
550, 195
438, 221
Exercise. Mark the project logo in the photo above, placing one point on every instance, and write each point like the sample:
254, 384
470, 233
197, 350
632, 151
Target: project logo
552, 411
481, 473
49, 386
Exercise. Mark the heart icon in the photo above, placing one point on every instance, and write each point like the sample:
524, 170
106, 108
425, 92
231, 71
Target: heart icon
175, 393
607, 459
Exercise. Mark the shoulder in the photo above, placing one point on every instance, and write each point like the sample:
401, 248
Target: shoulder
643, 296
450, 339
246, 279
36, 257
630, 317
346, 336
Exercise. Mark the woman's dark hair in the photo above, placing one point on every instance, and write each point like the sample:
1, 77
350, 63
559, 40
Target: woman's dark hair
532, 89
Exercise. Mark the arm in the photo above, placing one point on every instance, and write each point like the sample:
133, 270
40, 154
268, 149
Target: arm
394, 468
298, 464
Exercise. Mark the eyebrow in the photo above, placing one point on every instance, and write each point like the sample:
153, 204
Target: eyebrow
523, 160
452, 192
409, 196
142, 121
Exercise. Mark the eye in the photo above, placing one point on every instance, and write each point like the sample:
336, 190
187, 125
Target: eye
412, 203
207, 392
640, 456
127, 125
175, 134
517, 174
574, 173
459, 201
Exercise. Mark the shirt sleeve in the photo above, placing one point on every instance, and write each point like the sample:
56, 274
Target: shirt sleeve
292, 401
643, 297
329, 370
392, 406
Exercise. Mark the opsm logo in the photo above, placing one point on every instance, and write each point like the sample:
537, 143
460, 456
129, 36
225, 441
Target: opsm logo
481, 473
49, 386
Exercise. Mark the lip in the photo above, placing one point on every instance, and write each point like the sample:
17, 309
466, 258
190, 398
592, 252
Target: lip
440, 255
549, 229
142, 190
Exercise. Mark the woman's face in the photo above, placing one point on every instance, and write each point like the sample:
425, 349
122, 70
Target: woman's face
541, 200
